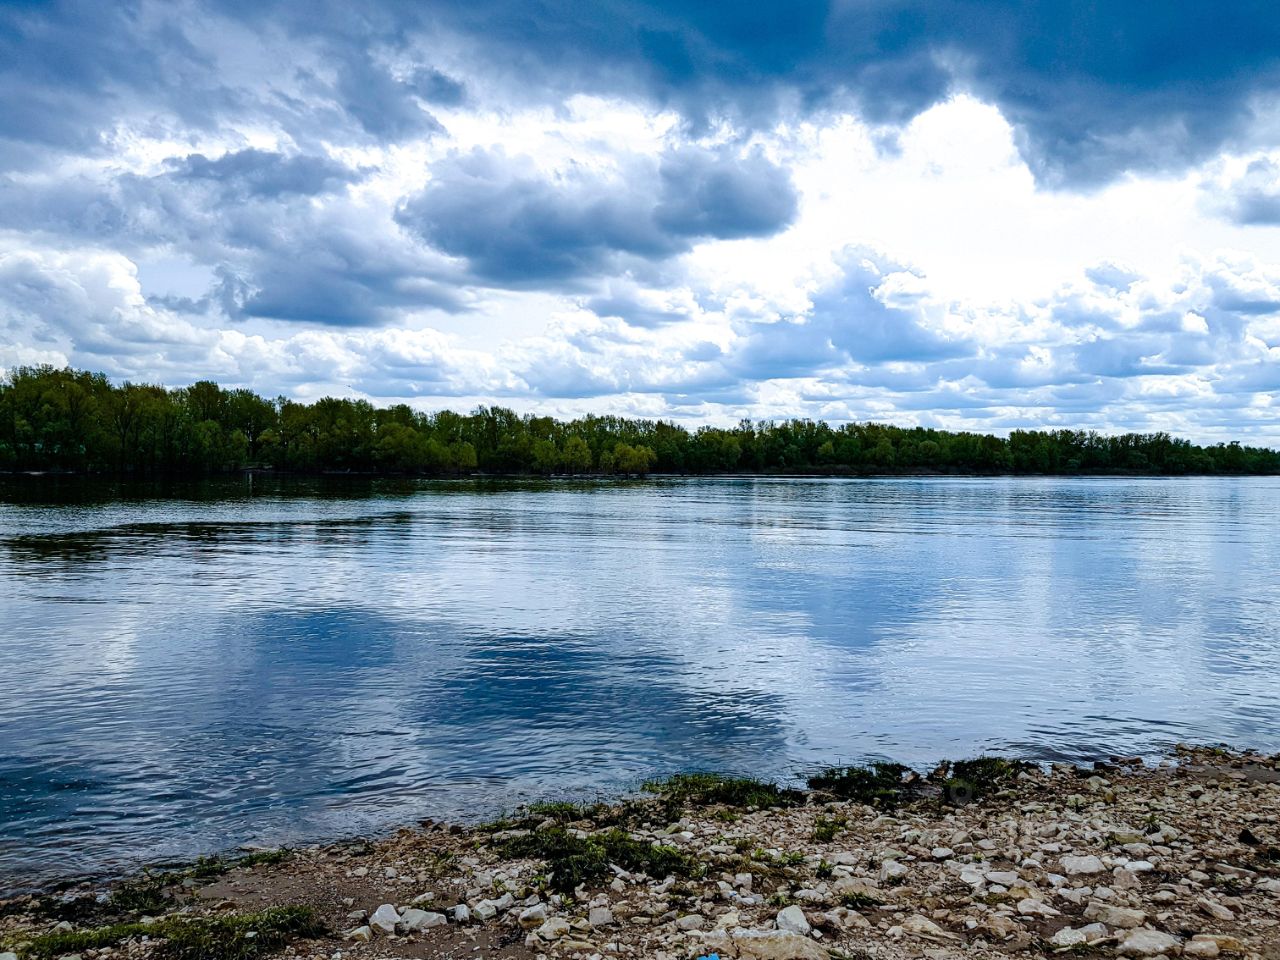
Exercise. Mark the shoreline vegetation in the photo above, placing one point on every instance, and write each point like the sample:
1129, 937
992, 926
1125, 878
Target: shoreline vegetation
71, 422
990, 858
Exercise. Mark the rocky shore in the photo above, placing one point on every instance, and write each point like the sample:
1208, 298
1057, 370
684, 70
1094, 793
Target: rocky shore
990, 858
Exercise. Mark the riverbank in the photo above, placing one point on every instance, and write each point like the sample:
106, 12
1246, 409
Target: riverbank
988, 859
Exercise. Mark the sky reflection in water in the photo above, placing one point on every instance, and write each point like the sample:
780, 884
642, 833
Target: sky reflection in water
181, 675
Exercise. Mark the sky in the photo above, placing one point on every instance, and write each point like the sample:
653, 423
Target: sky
971, 215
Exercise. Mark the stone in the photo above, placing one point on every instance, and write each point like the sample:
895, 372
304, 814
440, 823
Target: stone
1006, 878
1122, 917
485, 910
792, 918
942, 853
1215, 910
533, 916
385, 919
1200, 948
1035, 908
462, 913
363, 934
414, 920
1145, 942
1069, 937
892, 870
1077, 866
692, 921
763, 945
743, 881
919, 926
998, 926
423, 898
600, 917
554, 929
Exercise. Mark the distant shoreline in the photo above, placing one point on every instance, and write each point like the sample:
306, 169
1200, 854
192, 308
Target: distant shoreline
808, 474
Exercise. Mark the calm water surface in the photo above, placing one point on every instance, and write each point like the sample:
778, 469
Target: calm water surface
182, 674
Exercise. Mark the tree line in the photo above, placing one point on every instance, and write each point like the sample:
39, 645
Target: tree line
74, 421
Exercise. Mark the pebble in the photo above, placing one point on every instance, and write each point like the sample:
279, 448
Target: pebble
792, 919
385, 919
1075, 866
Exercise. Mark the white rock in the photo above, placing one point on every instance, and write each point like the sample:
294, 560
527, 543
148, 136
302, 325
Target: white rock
359, 933
942, 853
919, 926
1075, 866
384, 919
485, 910
462, 913
534, 916
1121, 917
1035, 908
1068, 937
792, 918
1006, 878
600, 917
892, 870
762, 945
554, 929
1146, 942
692, 921
1196, 948
415, 920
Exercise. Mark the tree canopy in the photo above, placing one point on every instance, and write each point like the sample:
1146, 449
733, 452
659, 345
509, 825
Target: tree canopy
76, 421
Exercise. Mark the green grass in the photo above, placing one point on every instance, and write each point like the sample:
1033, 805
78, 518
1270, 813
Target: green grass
209, 868
825, 828
241, 937
974, 779
238, 937
147, 893
877, 785
575, 861
711, 789
859, 901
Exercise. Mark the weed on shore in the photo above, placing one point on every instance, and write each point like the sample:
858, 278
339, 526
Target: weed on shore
237, 937
877, 785
712, 789
574, 861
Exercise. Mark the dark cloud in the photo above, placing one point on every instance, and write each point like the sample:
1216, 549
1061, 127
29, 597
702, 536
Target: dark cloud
626, 306
1093, 89
715, 194
250, 216
262, 173
516, 226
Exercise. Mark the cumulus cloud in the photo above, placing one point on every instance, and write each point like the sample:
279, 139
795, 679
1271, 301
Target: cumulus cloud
927, 210
516, 225
1253, 197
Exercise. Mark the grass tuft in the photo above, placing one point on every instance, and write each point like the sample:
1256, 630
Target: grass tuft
209, 868
877, 785
710, 789
825, 828
238, 937
147, 893
575, 861
969, 780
